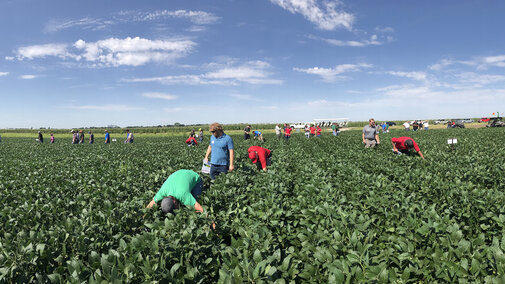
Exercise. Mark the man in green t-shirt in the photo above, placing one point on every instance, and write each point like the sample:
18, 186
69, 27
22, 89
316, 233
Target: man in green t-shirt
183, 186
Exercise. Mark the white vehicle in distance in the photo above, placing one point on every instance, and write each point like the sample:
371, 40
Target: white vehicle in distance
327, 122
299, 125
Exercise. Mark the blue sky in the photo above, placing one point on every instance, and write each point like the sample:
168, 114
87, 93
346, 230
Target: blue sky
66, 64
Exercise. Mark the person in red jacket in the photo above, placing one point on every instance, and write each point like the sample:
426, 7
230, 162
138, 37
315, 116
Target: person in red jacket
318, 131
287, 132
404, 144
191, 141
260, 156
312, 131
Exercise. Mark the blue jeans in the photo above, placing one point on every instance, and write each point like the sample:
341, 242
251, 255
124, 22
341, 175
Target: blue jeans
197, 189
215, 170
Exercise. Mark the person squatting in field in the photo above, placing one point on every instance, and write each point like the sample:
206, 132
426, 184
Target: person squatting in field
260, 156
402, 145
370, 135
181, 187
191, 141
221, 151
257, 134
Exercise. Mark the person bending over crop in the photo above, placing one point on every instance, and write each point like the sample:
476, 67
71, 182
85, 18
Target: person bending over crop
221, 151
191, 141
260, 156
181, 187
258, 135
404, 144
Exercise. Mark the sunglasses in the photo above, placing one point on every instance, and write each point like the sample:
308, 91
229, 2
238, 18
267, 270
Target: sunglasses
212, 131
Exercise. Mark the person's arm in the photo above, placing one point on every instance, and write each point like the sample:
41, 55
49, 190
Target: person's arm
394, 146
363, 137
209, 149
151, 204
263, 161
232, 157
377, 138
198, 207
420, 154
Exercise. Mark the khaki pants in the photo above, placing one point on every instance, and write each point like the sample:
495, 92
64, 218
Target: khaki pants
370, 143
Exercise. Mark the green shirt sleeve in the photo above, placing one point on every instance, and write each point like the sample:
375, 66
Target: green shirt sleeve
188, 199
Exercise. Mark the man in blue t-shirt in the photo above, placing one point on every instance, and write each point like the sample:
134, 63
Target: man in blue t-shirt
107, 137
221, 151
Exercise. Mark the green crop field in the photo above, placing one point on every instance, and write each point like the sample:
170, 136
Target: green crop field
327, 211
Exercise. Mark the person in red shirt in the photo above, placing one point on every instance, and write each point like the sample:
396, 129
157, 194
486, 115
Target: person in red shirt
287, 133
318, 131
312, 131
191, 141
260, 156
404, 144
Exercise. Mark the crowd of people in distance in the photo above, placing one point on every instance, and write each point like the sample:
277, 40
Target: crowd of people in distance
78, 137
416, 125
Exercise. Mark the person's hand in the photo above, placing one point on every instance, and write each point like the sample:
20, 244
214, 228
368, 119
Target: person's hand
205, 160
265, 170
231, 168
364, 142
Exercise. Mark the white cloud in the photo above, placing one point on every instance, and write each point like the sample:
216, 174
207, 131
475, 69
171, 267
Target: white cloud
4, 74
373, 40
195, 17
243, 97
420, 76
252, 72
180, 109
106, 107
324, 15
481, 63
41, 51
133, 51
162, 96
331, 74
480, 79
87, 23
113, 51
27, 77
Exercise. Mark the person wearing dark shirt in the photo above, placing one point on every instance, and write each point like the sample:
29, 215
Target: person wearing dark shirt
247, 131
91, 137
404, 144
81, 137
260, 156
41, 138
